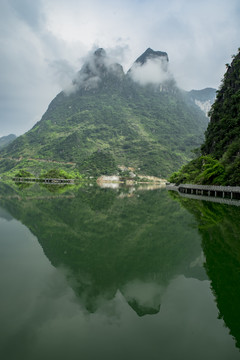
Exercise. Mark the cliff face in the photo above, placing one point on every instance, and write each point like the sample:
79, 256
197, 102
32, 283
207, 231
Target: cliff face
219, 162
203, 98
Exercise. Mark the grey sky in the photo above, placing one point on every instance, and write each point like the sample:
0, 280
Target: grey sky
43, 42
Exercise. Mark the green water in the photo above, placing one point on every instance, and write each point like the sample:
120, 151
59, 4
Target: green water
90, 273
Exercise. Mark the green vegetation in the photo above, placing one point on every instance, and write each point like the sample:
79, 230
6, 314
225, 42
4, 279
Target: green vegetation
99, 163
23, 173
117, 122
54, 173
10, 167
219, 162
60, 174
203, 170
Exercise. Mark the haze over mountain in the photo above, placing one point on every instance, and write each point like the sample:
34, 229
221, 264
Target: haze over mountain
106, 118
5, 140
203, 98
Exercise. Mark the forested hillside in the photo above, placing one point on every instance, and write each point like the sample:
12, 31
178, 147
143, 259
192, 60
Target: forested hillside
219, 160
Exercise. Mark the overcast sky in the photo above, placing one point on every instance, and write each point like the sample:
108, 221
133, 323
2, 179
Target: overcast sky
44, 42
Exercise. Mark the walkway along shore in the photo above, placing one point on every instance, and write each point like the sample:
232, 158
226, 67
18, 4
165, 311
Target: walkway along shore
221, 194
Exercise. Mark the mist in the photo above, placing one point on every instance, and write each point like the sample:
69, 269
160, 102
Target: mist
96, 65
154, 71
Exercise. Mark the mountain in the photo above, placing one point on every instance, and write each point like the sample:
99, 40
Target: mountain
107, 118
203, 98
151, 54
219, 162
5, 140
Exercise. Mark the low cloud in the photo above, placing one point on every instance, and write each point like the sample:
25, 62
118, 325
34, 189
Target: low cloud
119, 53
95, 66
154, 71
63, 72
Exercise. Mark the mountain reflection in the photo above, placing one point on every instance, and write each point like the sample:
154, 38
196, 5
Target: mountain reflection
220, 228
108, 242
143, 297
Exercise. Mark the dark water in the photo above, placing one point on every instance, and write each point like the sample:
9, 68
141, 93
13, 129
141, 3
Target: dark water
90, 273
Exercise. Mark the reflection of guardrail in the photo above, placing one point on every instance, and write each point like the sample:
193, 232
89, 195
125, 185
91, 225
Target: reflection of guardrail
46, 181
222, 194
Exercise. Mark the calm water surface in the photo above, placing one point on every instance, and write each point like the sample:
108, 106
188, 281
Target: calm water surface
90, 273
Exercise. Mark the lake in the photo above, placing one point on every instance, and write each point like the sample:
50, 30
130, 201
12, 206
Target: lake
117, 273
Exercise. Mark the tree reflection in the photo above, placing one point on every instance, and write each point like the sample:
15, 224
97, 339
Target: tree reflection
220, 228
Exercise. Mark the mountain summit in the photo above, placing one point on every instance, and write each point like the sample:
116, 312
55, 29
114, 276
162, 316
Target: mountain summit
108, 118
150, 54
151, 68
97, 67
